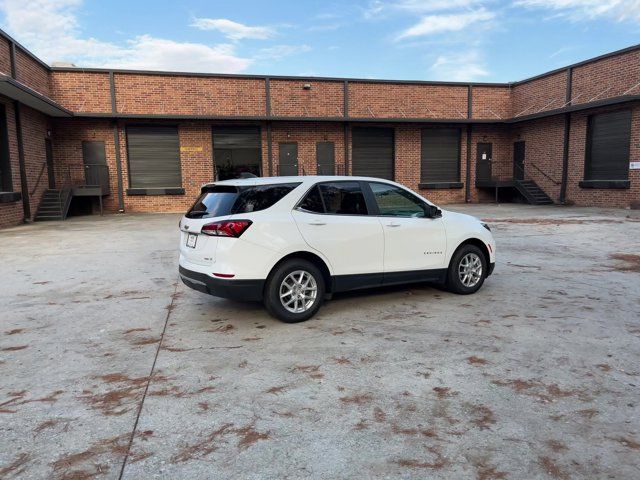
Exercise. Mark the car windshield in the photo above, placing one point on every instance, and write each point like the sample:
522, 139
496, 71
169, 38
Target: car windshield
221, 200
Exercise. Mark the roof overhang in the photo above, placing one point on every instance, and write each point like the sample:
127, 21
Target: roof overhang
577, 108
15, 90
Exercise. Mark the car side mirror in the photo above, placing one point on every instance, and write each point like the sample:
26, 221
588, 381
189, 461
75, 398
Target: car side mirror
431, 211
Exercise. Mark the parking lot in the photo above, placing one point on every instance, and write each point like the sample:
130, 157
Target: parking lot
111, 368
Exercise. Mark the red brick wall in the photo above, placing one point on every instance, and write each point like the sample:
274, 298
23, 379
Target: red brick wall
189, 95
81, 92
389, 100
5, 56
32, 73
600, 197
491, 102
11, 213
289, 98
609, 77
306, 135
34, 131
545, 93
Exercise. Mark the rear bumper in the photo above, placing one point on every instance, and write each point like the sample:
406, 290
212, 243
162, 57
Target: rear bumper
245, 290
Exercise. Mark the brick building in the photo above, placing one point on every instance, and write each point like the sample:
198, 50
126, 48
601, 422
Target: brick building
145, 141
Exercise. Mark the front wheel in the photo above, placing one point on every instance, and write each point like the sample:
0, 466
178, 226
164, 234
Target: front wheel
467, 270
294, 291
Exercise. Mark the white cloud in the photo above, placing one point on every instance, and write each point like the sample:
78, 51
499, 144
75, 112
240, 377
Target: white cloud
434, 5
460, 67
278, 52
577, 10
233, 30
454, 22
377, 8
50, 28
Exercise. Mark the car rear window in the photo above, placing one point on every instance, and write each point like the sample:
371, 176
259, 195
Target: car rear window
221, 200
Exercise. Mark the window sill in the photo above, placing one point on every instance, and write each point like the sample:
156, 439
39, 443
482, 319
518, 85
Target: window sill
155, 191
440, 185
10, 197
606, 184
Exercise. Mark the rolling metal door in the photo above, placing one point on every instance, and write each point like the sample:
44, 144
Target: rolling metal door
154, 157
609, 138
373, 152
440, 155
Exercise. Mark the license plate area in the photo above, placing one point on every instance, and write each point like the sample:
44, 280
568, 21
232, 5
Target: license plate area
192, 239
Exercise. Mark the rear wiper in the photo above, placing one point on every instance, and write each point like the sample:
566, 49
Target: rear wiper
195, 213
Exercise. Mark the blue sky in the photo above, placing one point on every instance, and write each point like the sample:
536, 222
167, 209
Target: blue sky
479, 40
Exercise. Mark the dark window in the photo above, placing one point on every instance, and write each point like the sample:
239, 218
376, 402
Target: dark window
154, 157
5, 161
220, 200
608, 141
396, 202
343, 198
440, 155
312, 202
237, 151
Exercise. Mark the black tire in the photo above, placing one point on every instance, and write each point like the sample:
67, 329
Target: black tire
274, 283
454, 281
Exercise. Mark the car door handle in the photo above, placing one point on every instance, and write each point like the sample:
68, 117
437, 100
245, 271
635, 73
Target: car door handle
317, 223
393, 224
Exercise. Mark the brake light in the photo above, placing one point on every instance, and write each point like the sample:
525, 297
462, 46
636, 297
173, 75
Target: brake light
226, 228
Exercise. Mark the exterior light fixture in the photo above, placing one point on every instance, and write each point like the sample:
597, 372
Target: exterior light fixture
307, 86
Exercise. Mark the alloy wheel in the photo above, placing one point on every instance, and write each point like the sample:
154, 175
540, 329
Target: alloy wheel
298, 291
470, 270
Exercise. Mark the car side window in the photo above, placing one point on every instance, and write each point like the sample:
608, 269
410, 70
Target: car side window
312, 202
343, 198
393, 201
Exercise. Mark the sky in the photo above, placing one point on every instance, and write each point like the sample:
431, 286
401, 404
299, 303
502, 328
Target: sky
454, 40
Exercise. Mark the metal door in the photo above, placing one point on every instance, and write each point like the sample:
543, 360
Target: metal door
288, 159
325, 158
518, 160
94, 158
483, 162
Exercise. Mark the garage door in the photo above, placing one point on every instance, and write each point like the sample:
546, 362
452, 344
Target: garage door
154, 157
373, 152
236, 150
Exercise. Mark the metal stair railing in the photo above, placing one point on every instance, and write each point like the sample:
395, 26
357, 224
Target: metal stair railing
64, 195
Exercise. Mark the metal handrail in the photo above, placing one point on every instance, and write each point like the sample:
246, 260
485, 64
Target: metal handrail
554, 181
522, 168
33, 190
65, 189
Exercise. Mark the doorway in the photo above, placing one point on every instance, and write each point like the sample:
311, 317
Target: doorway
518, 160
288, 159
483, 162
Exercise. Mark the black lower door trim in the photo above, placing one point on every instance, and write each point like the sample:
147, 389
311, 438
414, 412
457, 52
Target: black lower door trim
345, 283
412, 276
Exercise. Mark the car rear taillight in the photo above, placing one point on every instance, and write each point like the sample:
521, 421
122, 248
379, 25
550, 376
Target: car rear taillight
226, 228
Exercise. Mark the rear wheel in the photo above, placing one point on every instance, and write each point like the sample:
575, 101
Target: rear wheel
294, 291
467, 270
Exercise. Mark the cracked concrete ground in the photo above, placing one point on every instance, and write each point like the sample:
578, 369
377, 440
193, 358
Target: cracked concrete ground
109, 368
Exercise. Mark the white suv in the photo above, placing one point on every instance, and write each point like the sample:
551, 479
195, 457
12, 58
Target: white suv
294, 241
